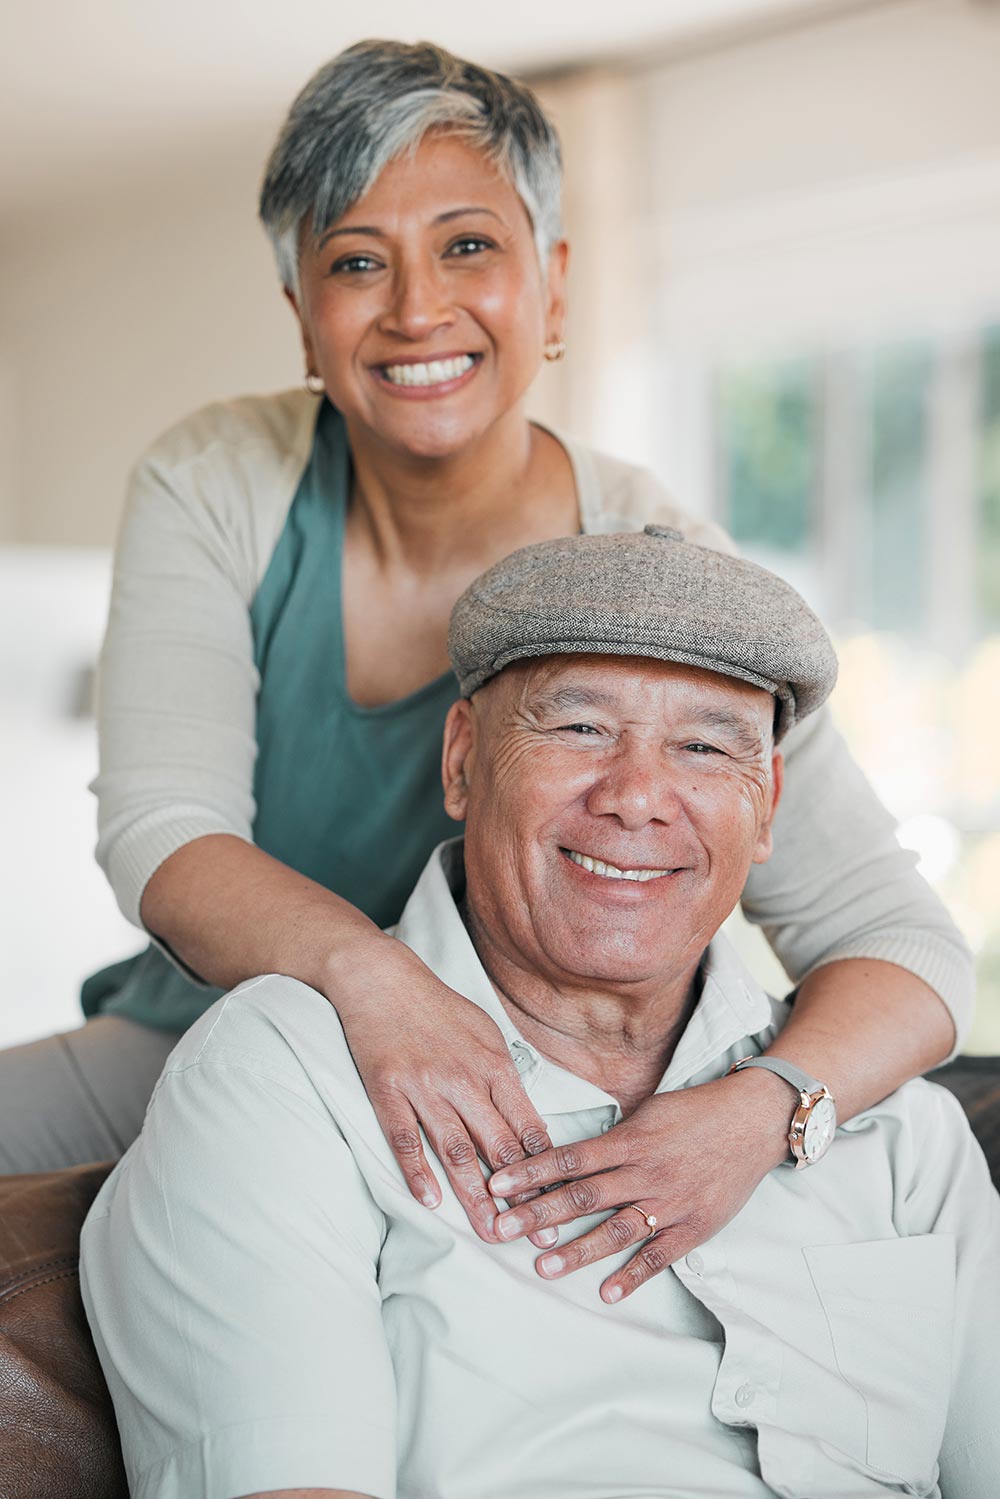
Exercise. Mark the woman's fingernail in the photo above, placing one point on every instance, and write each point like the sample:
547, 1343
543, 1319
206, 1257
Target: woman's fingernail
551, 1264
501, 1184
547, 1237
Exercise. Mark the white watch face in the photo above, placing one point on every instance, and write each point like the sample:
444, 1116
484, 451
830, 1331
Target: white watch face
820, 1128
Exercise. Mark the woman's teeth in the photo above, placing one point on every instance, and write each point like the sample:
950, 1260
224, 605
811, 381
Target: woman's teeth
436, 372
610, 872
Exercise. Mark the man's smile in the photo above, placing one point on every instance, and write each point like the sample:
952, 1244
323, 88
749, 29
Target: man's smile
611, 871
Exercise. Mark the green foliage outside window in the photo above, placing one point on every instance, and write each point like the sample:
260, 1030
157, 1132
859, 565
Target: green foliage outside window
768, 429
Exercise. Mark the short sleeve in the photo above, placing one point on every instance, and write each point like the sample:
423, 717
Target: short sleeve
229, 1271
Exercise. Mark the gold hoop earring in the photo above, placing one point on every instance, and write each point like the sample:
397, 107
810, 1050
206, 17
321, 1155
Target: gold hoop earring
554, 349
314, 383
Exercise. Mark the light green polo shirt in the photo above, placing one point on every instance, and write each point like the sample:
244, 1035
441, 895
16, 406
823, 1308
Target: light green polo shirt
279, 1312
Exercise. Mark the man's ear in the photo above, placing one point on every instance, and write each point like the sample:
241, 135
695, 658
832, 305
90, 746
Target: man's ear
765, 842
459, 735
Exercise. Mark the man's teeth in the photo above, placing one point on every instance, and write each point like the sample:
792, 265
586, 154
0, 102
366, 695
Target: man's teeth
610, 872
434, 373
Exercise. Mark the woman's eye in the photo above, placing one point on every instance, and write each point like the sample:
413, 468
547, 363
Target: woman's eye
469, 244
353, 263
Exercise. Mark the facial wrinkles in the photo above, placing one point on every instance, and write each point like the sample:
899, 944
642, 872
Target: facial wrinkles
542, 773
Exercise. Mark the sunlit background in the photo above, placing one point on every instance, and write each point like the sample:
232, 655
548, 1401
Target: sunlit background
785, 300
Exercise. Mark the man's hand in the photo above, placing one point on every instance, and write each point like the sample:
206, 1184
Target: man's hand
678, 1158
432, 1060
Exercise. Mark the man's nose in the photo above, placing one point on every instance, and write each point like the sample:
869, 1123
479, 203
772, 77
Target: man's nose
637, 786
420, 302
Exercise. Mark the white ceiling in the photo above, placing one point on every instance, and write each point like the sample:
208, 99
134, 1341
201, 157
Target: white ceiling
86, 85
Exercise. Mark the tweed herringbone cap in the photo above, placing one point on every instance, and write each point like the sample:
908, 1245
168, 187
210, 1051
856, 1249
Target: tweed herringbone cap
645, 593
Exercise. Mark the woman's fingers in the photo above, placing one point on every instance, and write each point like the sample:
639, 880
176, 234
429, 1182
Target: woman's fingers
508, 1134
402, 1130
615, 1234
561, 1163
575, 1199
458, 1153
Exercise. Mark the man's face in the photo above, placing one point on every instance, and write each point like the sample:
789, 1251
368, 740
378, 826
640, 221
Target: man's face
614, 807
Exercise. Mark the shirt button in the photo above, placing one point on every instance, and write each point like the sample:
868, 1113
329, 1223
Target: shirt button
607, 1125
695, 1263
745, 1395
522, 1059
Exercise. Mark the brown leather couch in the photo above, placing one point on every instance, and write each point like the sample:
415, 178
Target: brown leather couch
58, 1438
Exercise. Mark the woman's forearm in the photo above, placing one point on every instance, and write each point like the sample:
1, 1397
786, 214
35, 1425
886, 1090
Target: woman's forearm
864, 1028
230, 911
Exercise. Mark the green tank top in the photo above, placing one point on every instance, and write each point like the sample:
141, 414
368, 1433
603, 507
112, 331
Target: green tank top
349, 796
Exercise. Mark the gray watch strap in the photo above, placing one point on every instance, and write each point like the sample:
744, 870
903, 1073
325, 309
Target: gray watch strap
800, 1081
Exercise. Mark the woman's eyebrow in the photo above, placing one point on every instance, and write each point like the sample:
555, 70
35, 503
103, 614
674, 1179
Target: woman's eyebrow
372, 229
457, 213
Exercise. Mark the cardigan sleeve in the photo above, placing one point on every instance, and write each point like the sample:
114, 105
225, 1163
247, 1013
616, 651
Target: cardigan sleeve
838, 884
177, 683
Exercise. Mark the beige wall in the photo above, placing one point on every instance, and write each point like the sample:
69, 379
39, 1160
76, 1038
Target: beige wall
119, 314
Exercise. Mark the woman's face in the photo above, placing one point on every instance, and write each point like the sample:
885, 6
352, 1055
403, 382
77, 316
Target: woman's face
424, 307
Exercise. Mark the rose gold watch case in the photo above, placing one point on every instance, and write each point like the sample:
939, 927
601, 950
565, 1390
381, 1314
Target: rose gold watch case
797, 1130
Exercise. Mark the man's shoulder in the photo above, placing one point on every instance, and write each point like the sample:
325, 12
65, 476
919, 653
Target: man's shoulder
275, 1028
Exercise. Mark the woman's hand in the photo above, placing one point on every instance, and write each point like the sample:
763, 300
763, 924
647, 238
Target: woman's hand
678, 1158
431, 1059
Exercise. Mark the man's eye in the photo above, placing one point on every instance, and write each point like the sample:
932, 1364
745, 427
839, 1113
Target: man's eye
579, 728
697, 747
469, 244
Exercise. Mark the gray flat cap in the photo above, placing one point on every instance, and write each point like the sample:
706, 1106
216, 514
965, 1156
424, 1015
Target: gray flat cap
645, 593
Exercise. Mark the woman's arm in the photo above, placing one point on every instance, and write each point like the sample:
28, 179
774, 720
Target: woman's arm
176, 718
429, 1058
839, 886
693, 1158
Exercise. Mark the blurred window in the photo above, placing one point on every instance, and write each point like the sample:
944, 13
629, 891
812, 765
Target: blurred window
846, 471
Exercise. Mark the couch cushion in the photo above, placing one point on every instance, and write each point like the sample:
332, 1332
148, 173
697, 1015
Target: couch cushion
975, 1082
58, 1437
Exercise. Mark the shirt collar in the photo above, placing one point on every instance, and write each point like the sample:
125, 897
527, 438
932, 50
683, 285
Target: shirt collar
730, 1010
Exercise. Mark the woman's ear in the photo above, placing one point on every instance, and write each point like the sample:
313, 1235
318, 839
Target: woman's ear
459, 736
293, 302
555, 319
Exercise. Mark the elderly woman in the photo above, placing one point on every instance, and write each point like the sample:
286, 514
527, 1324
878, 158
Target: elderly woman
275, 681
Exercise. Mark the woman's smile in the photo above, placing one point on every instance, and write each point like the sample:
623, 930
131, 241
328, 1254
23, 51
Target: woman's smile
429, 378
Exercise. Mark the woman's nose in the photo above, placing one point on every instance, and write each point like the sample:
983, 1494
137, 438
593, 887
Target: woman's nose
637, 787
420, 303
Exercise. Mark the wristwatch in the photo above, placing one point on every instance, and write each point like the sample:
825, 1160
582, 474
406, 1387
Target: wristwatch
814, 1122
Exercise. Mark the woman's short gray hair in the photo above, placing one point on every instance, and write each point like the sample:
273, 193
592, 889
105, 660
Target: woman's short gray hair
376, 100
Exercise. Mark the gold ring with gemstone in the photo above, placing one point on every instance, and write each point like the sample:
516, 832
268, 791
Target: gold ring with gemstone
648, 1218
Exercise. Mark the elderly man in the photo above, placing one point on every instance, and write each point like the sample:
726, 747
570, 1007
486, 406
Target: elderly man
276, 1314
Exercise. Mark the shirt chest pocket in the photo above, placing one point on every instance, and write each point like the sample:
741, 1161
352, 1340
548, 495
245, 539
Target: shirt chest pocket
889, 1307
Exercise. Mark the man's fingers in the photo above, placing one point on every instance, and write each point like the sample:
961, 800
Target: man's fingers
402, 1130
